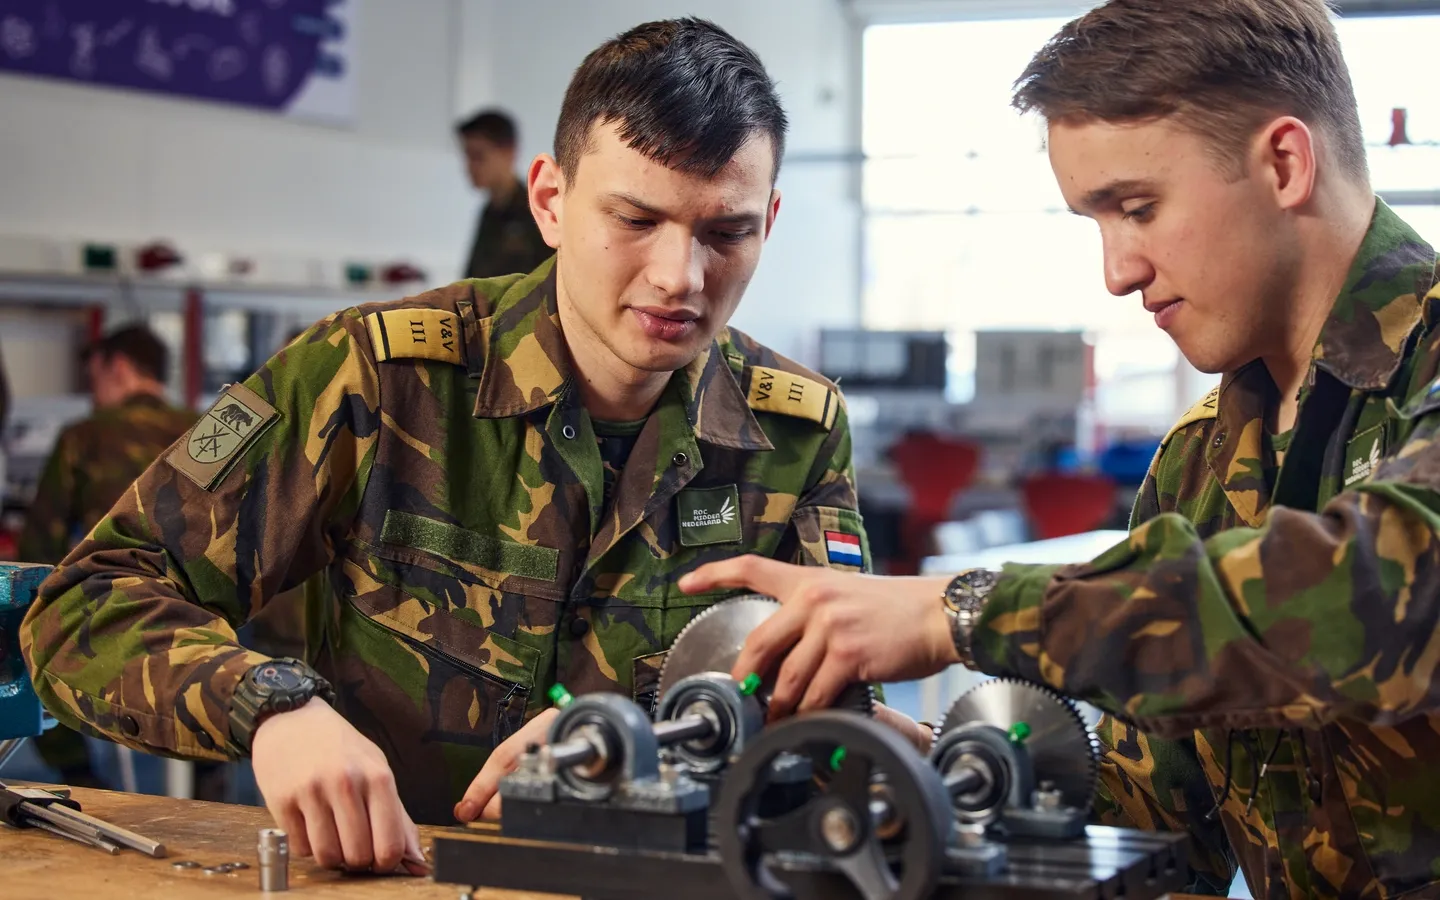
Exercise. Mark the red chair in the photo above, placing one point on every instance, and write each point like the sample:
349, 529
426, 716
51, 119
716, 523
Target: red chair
935, 469
1060, 504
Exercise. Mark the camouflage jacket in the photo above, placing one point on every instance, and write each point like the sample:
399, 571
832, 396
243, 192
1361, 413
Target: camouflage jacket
433, 458
1267, 638
93, 462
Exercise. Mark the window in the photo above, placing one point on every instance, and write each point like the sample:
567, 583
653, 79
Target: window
965, 229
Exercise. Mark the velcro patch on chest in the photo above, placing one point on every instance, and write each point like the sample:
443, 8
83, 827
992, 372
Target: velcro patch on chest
416, 334
776, 391
217, 440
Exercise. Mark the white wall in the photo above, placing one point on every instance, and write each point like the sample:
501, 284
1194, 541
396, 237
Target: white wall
79, 162
809, 273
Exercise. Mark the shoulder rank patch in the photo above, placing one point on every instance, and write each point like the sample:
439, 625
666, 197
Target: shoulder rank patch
776, 391
416, 334
212, 446
1207, 408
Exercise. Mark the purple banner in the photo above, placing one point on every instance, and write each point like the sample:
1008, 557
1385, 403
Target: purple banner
288, 56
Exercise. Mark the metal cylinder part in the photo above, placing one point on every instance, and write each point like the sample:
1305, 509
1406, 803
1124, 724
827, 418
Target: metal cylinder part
685, 729
274, 852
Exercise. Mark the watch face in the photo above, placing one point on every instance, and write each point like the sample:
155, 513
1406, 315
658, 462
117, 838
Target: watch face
277, 677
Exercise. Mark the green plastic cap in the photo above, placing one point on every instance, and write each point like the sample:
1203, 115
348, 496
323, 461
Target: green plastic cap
1019, 732
559, 696
750, 685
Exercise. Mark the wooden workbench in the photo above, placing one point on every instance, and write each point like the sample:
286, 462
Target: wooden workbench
36, 865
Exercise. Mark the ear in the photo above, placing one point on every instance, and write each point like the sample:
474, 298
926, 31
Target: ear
772, 212
547, 197
1289, 161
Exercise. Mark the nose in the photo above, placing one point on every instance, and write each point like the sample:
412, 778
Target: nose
677, 264
1127, 270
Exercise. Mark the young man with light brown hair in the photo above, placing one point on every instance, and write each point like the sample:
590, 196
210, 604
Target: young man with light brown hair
1265, 642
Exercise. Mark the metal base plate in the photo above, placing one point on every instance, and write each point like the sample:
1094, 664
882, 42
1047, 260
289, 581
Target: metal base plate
1106, 863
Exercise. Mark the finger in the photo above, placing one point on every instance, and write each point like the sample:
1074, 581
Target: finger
320, 828
906, 726
770, 640
352, 824
387, 822
492, 809
829, 680
792, 682
290, 820
756, 573
414, 860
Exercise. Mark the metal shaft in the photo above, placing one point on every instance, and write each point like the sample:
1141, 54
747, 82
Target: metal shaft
683, 729
574, 752
966, 781
114, 833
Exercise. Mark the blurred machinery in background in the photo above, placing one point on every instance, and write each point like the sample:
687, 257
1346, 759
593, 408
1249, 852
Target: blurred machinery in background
1023, 457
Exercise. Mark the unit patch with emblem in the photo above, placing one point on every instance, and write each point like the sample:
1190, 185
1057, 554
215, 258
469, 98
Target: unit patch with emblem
236, 419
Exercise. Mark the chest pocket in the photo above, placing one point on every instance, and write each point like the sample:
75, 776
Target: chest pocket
437, 658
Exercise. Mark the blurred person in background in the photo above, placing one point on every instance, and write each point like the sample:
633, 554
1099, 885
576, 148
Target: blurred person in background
507, 240
94, 461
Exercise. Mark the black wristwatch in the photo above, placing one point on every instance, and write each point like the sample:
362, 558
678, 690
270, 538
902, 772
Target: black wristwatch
965, 598
277, 686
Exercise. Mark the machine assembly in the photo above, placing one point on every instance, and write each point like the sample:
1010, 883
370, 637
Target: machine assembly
704, 801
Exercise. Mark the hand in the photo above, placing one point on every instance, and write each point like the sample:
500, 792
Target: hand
919, 735
833, 628
482, 798
332, 791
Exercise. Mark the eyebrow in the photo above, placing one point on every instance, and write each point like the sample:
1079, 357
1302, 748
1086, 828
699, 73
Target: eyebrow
1106, 195
741, 218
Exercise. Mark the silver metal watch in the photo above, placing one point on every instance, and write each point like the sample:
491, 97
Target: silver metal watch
965, 598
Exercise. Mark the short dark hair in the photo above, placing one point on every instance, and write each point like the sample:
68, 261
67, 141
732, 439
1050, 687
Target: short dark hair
491, 124
138, 344
684, 93
1221, 68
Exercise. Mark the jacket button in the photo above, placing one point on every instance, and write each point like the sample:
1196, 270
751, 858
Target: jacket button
205, 740
679, 459
1219, 439
129, 725
579, 627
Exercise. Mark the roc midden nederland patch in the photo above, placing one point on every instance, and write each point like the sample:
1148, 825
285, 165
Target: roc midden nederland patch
709, 516
213, 445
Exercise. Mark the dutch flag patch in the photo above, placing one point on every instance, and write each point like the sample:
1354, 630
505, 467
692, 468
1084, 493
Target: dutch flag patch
844, 548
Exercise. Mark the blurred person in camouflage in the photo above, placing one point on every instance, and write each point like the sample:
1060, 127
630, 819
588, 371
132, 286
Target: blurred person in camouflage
507, 239
1265, 643
93, 462
501, 481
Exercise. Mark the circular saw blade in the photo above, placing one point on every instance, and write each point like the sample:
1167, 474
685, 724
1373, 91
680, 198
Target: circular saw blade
713, 640
1063, 750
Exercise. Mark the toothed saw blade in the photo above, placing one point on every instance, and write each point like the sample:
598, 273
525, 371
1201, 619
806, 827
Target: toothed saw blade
1062, 748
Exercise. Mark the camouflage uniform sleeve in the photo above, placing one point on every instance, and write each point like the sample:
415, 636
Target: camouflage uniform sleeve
1309, 618
46, 536
829, 506
133, 637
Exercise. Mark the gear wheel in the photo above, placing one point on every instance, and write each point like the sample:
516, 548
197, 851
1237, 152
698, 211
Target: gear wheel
712, 640
1064, 751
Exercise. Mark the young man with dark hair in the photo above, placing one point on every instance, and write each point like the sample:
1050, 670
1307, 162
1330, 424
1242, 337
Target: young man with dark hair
1266, 641
93, 463
501, 480
507, 241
